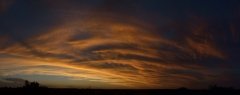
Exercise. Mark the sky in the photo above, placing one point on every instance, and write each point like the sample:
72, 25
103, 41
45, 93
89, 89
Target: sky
115, 44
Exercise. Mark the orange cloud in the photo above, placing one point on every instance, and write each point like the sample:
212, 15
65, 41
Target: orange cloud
109, 51
204, 48
201, 39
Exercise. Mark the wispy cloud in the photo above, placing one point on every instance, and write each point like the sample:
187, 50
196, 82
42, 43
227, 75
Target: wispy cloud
114, 51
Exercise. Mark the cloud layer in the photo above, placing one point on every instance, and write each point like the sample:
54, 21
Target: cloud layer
114, 49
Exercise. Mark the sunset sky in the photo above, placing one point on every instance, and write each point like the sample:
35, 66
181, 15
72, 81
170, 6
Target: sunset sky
108, 44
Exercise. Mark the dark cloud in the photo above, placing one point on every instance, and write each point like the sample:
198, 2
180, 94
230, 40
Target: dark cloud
11, 82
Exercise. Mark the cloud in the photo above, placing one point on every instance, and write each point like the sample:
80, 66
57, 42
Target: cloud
113, 50
11, 82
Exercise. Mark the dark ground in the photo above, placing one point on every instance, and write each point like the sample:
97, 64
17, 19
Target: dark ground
54, 91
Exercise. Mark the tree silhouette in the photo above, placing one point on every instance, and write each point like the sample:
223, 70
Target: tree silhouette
219, 88
31, 84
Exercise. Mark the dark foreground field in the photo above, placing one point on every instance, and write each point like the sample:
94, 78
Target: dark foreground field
52, 91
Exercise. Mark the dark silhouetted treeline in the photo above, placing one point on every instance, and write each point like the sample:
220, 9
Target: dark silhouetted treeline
34, 88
